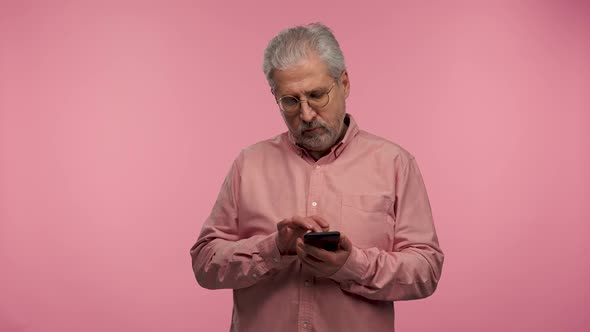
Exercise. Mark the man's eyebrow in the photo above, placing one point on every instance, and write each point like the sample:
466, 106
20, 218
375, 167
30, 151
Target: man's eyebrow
306, 92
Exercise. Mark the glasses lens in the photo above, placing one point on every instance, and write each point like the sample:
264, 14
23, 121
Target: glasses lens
289, 104
318, 101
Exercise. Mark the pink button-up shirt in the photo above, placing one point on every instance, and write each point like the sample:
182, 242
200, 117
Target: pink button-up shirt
367, 188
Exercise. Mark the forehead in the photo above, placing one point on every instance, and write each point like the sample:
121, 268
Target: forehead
307, 75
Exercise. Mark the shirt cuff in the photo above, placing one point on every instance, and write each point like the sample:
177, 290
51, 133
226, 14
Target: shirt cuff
354, 267
271, 258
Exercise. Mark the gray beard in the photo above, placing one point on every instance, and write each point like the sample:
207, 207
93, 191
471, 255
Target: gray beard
318, 142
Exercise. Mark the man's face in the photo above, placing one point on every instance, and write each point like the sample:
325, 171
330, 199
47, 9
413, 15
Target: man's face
317, 130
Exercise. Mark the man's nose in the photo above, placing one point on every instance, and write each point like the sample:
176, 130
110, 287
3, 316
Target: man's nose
307, 112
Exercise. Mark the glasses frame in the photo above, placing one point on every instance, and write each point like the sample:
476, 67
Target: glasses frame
305, 100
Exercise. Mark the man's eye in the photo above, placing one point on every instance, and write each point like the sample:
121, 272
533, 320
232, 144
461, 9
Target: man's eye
289, 101
316, 94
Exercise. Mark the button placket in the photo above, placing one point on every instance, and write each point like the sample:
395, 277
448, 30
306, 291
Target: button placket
314, 190
306, 300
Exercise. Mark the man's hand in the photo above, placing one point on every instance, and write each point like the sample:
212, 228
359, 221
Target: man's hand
289, 230
323, 263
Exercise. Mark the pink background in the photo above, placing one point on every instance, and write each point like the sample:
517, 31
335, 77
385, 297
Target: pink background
119, 120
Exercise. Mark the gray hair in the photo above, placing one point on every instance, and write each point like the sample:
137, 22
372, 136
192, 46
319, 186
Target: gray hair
294, 44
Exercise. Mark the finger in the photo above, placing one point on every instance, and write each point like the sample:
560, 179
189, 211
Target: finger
345, 243
317, 253
321, 222
299, 232
303, 254
282, 224
315, 226
303, 223
291, 224
306, 258
299, 250
291, 240
308, 222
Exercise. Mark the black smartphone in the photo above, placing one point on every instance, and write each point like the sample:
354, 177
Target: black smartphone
325, 240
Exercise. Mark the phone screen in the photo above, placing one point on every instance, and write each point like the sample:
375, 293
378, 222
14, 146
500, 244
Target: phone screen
325, 240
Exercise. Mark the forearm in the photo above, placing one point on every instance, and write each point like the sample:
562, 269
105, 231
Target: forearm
412, 273
219, 263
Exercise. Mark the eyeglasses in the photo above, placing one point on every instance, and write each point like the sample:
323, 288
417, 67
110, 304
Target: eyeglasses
316, 99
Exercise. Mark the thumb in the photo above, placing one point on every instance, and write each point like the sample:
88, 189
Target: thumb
345, 243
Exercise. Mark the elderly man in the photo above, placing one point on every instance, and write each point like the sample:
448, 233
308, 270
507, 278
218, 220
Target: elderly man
323, 174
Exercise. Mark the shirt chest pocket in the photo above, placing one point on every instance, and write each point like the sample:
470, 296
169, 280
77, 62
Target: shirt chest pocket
366, 220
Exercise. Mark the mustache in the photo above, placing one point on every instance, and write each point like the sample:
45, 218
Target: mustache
311, 125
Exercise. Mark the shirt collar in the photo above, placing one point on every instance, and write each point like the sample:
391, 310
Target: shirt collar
339, 147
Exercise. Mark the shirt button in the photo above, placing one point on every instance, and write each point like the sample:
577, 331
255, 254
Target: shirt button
254, 275
305, 325
314, 203
317, 167
276, 260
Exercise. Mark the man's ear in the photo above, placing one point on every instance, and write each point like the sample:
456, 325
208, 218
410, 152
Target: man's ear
345, 81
